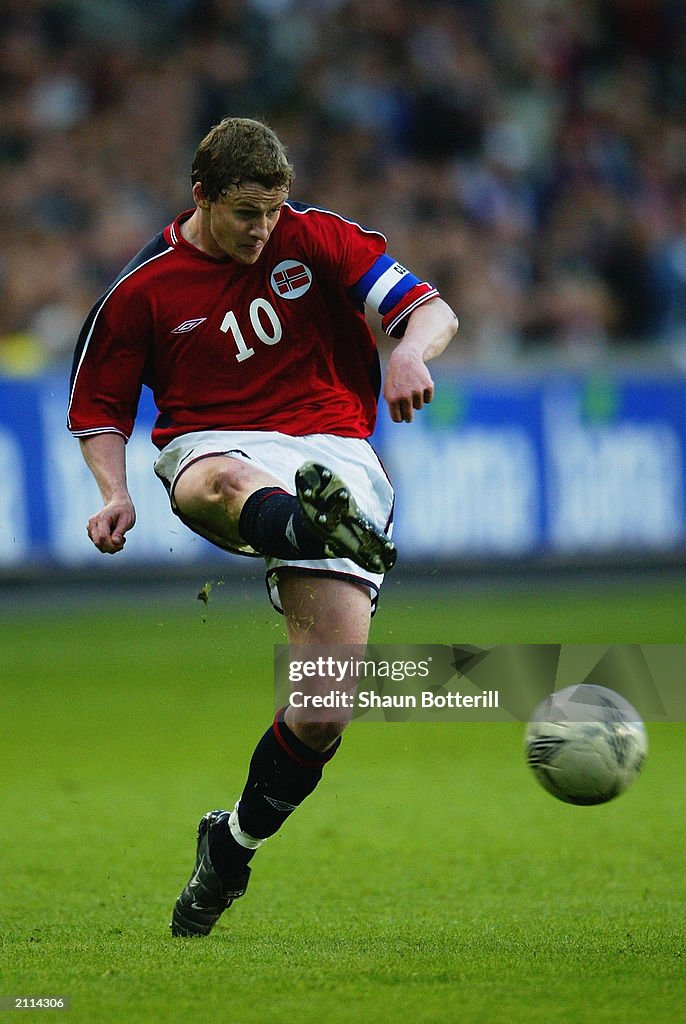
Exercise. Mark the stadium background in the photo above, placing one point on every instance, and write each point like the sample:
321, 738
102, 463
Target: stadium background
529, 157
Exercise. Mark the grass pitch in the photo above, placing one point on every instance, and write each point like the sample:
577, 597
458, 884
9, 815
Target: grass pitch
429, 879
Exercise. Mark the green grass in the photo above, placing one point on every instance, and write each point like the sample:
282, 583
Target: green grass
428, 880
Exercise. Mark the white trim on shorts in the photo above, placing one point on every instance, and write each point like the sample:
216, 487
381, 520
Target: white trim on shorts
281, 455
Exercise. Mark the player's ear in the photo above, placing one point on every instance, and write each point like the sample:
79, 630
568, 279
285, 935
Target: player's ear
200, 200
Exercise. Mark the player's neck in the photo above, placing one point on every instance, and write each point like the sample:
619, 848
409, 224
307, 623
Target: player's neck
193, 231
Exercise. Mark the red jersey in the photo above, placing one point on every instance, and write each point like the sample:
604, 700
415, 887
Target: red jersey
281, 344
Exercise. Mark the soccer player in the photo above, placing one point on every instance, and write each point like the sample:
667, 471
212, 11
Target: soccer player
245, 316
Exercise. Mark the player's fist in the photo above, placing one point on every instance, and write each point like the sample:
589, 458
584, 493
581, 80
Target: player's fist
408, 385
108, 528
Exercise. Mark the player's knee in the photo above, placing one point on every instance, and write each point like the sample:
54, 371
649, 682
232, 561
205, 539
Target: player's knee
230, 482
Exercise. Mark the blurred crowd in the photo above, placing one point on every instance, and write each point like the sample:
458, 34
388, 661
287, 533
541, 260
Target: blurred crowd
528, 156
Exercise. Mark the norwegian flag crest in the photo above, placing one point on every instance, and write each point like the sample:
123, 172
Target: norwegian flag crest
290, 279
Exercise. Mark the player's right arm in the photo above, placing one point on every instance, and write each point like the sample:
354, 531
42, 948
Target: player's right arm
106, 458
106, 382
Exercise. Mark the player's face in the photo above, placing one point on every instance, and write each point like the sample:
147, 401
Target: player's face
240, 223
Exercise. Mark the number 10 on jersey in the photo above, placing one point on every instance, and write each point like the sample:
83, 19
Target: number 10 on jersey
264, 322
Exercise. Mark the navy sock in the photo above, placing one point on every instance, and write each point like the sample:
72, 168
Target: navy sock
272, 521
283, 772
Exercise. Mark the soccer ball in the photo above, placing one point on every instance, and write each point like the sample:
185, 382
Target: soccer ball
585, 744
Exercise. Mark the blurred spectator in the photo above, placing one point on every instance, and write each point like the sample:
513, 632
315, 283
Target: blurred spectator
528, 155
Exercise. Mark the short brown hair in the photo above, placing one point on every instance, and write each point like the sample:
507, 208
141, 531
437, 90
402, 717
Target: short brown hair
240, 149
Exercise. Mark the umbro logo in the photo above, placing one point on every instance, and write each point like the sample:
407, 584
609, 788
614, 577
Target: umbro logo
189, 325
280, 805
290, 536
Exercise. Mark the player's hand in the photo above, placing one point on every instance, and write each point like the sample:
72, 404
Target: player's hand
408, 385
107, 528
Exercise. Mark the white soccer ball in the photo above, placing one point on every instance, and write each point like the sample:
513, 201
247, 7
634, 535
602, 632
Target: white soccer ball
585, 744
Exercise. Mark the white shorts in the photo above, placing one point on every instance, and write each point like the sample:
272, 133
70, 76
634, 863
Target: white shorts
352, 458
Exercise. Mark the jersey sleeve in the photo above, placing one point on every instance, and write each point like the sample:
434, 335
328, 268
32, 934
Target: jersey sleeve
109, 365
394, 292
357, 257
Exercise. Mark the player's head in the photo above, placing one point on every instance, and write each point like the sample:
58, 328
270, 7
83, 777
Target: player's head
237, 150
241, 179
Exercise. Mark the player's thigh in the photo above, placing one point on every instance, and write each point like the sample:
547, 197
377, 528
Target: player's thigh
324, 609
211, 491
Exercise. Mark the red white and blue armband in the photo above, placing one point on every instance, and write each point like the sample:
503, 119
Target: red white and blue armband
393, 292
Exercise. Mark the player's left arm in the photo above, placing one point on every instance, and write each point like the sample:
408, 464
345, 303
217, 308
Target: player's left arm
413, 312
408, 384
